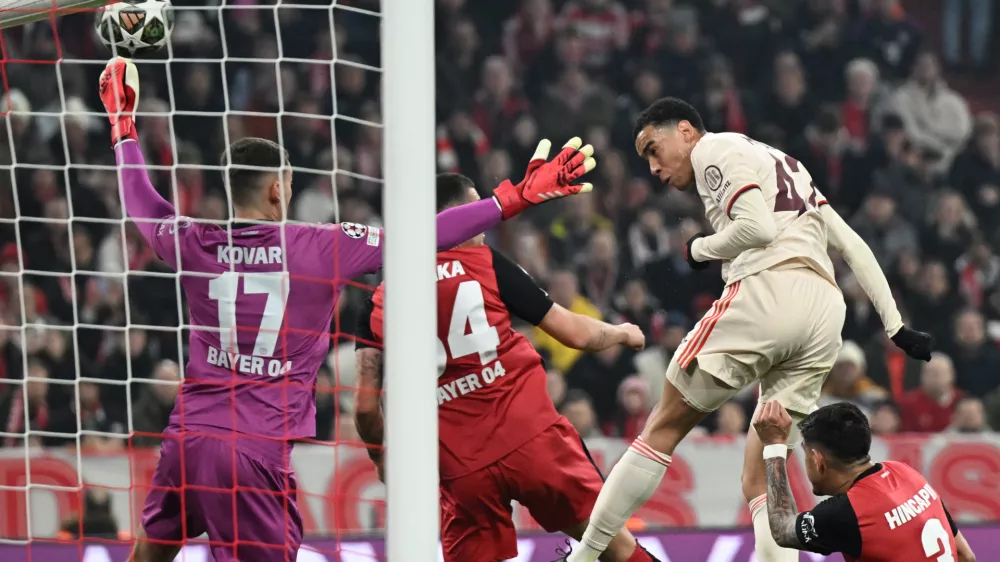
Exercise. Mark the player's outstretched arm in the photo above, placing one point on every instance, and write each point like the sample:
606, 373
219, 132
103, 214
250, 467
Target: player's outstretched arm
527, 301
119, 89
861, 260
582, 332
543, 181
367, 403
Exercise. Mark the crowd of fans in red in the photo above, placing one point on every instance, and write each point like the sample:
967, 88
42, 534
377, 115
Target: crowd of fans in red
845, 86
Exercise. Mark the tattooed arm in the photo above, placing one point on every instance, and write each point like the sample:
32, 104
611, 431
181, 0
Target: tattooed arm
367, 403
781, 510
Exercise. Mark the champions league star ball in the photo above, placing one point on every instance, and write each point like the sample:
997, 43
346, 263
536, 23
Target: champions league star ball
135, 27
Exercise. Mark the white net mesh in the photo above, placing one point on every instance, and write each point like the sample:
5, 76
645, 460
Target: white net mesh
94, 329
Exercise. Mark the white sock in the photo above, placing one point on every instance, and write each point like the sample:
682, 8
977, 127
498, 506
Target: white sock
631, 482
767, 549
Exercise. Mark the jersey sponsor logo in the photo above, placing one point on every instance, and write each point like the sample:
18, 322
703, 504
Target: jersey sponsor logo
713, 177
354, 230
808, 527
911, 508
469, 383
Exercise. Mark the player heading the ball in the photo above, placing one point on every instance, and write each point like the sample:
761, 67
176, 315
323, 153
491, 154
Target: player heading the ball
261, 298
777, 323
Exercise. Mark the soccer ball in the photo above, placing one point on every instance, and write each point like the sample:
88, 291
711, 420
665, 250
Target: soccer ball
135, 27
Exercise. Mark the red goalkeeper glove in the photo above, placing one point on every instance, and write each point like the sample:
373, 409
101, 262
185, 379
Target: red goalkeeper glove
119, 88
544, 180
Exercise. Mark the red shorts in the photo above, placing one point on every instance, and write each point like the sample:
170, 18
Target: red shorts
552, 476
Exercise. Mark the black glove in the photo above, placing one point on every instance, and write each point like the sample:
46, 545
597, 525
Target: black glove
696, 265
916, 344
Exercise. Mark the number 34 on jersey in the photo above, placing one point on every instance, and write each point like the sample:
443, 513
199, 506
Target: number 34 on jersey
468, 314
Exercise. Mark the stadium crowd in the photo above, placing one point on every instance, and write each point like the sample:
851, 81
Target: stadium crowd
844, 86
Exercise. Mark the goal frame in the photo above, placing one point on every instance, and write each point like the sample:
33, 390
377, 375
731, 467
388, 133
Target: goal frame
412, 520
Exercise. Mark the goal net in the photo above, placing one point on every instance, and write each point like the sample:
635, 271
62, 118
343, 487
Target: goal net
93, 326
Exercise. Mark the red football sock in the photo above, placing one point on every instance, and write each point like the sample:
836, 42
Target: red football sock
640, 555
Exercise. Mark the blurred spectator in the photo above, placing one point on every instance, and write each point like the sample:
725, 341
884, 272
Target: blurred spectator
151, 412
572, 104
863, 106
731, 420
564, 289
571, 232
603, 25
599, 374
791, 106
936, 117
887, 36
951, 228
33, 396
969, 416
648, 239
601, 273
634, 405
976, 171
724, 106
555, 385
975, 357
929, 408
528, 32
885, 420
326, 405
96, 520
881, 227
936, 301
847, 381
580, 412
497, 102
980, 22
651, 363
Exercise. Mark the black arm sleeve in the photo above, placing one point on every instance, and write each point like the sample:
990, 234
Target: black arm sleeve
951, 522
831, 526
363, 329
518, 291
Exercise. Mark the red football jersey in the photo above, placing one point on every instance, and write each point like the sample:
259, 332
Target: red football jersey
890, 513
492, 394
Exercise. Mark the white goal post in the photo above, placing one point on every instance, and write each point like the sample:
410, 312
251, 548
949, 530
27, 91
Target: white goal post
18, 12
411, 297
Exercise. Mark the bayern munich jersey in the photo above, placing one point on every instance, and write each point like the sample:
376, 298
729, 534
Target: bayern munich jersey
492, 394
727, 165
890, 513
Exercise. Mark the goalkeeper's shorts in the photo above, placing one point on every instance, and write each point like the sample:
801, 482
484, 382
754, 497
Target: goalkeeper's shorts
202, 485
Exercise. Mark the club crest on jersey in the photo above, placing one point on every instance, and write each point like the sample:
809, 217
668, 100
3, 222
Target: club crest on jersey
354, 230
713, 177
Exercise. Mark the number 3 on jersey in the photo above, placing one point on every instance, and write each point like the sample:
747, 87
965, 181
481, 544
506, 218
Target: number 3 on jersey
469, 310
935, 537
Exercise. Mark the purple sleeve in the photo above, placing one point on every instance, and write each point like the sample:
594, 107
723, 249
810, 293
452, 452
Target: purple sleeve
360, 247
143, 204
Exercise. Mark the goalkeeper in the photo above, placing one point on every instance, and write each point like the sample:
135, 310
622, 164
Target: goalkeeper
248, 393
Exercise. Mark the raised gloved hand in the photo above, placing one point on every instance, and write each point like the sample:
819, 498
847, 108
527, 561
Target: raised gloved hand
119, 88
695, 264
916, 344
544, 181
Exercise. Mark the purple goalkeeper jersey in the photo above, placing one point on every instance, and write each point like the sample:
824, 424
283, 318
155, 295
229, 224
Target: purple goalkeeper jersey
261, 303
